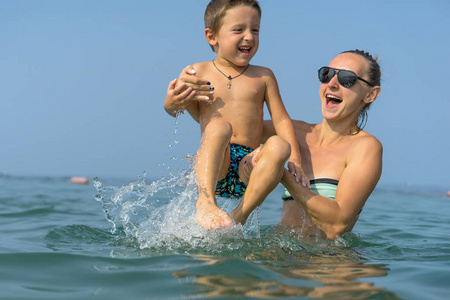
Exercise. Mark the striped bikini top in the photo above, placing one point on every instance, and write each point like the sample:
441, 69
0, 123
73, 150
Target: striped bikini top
322, 186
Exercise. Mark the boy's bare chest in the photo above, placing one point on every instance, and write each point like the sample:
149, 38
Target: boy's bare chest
239, 99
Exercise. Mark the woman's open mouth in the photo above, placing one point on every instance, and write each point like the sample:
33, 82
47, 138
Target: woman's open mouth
332, 101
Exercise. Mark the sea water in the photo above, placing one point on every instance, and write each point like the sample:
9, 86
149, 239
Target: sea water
137, 239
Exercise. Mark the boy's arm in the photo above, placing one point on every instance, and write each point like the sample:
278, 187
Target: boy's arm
268, 130
185, 92
284, 127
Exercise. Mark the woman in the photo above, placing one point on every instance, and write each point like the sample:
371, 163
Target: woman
344, 161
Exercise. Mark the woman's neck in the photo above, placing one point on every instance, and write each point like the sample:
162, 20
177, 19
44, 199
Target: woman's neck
330, 132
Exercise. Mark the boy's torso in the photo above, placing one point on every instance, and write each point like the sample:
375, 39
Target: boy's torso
242, 104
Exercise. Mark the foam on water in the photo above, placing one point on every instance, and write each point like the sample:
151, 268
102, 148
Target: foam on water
155, 220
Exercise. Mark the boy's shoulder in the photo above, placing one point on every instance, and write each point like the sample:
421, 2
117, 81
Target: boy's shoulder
262, 70
201, 65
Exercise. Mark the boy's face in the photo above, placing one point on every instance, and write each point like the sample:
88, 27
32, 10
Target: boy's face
238, 39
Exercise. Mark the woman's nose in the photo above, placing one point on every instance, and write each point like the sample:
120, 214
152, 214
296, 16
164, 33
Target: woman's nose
334, 82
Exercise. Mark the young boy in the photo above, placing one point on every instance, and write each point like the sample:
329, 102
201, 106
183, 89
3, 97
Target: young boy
229, 161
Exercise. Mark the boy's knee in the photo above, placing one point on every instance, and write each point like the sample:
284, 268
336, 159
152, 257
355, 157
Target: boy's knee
278, 147
219, 127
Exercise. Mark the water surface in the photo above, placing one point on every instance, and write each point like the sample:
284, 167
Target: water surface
136, 239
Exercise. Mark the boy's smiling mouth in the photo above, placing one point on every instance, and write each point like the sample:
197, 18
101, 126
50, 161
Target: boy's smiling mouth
245, 49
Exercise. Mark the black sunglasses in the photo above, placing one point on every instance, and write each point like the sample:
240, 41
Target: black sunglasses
345, 77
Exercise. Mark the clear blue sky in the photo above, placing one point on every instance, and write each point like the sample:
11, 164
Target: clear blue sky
83, 82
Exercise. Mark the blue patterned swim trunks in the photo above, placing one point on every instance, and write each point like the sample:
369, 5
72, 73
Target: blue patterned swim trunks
232, 186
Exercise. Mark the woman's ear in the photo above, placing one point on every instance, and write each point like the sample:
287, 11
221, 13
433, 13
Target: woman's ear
372, 94
210, 37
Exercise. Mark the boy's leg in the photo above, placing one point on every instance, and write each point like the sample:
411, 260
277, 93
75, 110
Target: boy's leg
262, 177
212, 161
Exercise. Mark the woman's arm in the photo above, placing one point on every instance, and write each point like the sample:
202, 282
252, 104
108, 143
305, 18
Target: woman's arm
335, 217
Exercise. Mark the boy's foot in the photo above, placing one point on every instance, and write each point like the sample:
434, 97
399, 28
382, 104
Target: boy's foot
237, 217
209, 216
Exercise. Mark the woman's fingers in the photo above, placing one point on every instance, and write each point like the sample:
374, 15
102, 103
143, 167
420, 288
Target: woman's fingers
189, 70
186, 95
188, 76
201, 89
172, 84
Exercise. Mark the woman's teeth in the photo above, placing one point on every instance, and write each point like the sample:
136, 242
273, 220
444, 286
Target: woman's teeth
331, 99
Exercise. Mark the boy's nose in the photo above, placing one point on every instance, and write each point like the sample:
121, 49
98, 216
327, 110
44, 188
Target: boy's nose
248, 35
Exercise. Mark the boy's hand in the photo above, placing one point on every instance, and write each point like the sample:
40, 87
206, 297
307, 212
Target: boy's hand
296, 170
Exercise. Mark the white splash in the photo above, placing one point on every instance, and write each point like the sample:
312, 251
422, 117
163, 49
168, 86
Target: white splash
160, 215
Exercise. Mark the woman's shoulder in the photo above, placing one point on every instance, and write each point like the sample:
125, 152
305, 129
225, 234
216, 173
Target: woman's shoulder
303, 126
365, 141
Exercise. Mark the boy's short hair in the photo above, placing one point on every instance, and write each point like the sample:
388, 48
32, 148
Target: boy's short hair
216, 10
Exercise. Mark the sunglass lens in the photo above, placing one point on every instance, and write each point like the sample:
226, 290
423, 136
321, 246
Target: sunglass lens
347, 78
325, 74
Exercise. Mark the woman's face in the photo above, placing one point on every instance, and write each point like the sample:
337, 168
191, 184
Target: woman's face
339, 102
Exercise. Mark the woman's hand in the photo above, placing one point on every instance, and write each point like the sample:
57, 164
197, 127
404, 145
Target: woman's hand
202, 89
177, 98
181, 92
295, 169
